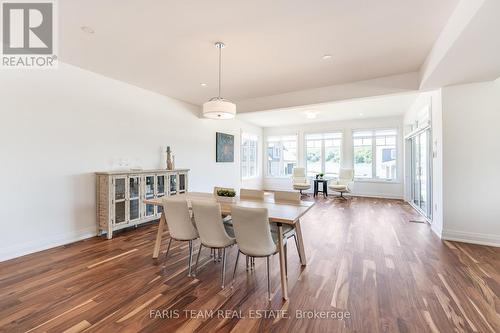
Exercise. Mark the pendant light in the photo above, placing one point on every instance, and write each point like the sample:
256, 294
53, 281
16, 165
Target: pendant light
218, 107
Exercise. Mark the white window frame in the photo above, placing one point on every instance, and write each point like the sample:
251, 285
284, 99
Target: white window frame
374, 153
280, 139
250, 138
323, 162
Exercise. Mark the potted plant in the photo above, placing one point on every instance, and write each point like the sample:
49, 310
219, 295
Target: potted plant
320, 175
225, 194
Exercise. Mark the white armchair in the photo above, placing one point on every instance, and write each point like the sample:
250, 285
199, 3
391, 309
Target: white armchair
300, 181
345, 182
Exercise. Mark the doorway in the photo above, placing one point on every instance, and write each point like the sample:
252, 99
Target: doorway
421, 172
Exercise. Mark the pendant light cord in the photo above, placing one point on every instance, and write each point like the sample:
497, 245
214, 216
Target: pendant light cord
220, 68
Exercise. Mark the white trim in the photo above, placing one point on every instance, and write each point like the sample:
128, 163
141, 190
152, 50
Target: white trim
323, 161
373, 137
265, 154
22, 249
371, 195
471, 237
417, 131
249, 137
250, 178
377, 180
419, 210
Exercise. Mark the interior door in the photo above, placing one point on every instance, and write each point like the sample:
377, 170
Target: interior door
423, 171
415, 172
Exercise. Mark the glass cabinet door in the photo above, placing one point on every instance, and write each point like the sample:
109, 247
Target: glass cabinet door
182, 182
160, 190
119, 199
149, 193
134, 199
160, 185
173, 184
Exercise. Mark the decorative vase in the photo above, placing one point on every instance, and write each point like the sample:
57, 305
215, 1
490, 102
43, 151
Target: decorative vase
169, 159
225, 199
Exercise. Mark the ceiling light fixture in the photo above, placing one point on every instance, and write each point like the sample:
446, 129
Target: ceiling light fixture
327, 56
203, 84
218, 107
87, 29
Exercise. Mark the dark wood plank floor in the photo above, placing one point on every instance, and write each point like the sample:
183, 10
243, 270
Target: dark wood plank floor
365, 257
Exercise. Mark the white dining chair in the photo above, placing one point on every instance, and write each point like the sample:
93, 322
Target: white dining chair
287, 197
213, 235
227, 218
251, 194
180, 225
253, 236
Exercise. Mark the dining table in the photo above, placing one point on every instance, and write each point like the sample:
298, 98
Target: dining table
280, 212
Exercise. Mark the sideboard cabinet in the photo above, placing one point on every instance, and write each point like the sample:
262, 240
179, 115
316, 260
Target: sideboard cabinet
120, 196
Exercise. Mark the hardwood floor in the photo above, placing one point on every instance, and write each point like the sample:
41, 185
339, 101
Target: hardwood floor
364, 257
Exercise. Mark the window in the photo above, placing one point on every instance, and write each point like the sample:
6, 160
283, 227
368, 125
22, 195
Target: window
281, 155
375, 154
323, 153
249, 155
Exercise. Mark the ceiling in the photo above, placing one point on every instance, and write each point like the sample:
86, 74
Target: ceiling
471, 55
384, 106
274, 47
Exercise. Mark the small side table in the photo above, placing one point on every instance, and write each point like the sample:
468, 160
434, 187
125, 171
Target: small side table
325, 187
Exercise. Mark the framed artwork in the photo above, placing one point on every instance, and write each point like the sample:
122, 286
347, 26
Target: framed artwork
224, 147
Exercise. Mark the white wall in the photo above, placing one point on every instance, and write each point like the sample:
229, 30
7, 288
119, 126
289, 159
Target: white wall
363, 188
57, 127
471, 162
429, 102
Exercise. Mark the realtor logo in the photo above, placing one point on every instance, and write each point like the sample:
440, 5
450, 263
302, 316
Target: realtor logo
28, 34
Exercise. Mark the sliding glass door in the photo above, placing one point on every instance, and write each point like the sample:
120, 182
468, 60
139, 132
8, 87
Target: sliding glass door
421, 172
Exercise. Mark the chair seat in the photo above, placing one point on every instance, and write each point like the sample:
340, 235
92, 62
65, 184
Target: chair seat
301, 186
228, 225
336, 187
288, 230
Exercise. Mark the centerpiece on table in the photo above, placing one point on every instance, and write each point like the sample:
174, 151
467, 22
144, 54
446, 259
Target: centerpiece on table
225, 194
320, 175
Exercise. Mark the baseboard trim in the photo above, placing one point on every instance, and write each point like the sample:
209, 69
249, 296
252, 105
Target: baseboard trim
375, 195
471, 237
19, 250
332, 194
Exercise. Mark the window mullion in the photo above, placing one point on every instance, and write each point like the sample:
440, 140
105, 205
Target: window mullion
322, 155
248, 160
282, 162
374, 157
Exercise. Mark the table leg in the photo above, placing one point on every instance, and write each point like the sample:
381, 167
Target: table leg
325, 189
161, 225
284, 287
298, 231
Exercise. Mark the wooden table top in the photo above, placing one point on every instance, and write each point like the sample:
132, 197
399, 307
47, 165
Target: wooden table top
285, 212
